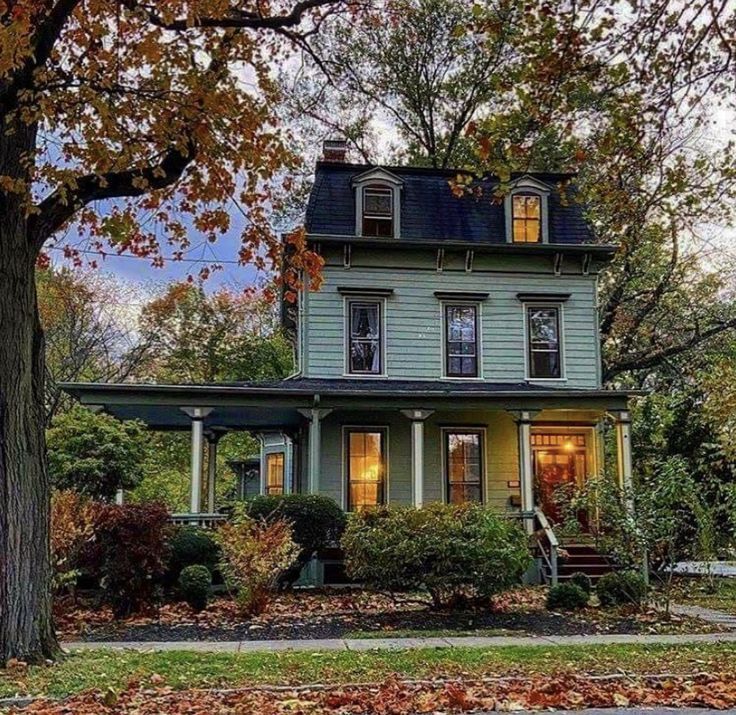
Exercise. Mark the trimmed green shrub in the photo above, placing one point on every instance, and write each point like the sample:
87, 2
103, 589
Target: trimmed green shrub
316, 523
567, 596
130, 551
189, 546
622, 588
194, 585
462, 555
582, 580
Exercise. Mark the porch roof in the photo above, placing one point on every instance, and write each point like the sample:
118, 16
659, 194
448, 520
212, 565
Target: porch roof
274, 405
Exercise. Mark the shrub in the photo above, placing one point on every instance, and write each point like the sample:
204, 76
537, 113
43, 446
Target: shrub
567, 596
194, 585
72, 527
582, 580
316, 521
255, 555
190, 546
621, 588
95, 454
130, 550
460, 554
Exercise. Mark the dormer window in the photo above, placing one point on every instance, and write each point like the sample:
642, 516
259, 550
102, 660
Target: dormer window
527, 218
526, 211
378, 212
377, 204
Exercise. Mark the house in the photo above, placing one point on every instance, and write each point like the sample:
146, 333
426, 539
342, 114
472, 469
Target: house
452, 353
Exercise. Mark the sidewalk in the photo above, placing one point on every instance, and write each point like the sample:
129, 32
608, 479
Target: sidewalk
363, 644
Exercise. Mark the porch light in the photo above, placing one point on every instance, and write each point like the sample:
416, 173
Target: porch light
569, 446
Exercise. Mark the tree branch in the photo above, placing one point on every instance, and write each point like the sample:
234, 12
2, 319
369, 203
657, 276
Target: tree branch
58, 208
237, 19
45, 39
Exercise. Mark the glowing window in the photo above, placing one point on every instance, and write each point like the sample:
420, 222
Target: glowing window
464, 455
366, 465
527, 218
275, 473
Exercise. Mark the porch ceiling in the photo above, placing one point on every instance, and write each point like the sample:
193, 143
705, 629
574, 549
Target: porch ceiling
277, 404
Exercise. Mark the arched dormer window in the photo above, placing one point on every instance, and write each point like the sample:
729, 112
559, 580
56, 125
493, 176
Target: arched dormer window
377, 204
526, 212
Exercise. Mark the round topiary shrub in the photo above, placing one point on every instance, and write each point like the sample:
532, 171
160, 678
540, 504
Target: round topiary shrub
622, 588
194, 585
566, 596
189, 546
583, 581
317, 522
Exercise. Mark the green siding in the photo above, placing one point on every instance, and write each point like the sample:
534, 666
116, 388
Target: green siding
414, 324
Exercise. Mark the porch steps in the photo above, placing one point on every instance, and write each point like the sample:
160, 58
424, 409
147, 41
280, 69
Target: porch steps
579, 558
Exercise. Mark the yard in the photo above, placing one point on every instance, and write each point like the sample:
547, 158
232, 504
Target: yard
356, 613
380, 681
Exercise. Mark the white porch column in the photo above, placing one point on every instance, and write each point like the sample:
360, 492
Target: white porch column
623, 451
197, 415
417, 418
315, 417
526, 475
212, 439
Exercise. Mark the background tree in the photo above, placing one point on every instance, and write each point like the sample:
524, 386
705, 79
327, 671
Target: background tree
221, 336
89, 323
148, 107
95, 454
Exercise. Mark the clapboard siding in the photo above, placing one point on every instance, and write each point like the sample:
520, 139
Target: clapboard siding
413, 321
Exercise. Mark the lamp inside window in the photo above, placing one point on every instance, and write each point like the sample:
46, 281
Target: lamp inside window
527, 218
378, 211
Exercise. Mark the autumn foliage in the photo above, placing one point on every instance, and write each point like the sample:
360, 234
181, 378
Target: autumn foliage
255, 555
72, 528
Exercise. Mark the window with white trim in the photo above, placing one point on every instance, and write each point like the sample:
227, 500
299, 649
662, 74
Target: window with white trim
543, 341
365, 337
365, 451
526, 218
378, 210
464, 465
461, 339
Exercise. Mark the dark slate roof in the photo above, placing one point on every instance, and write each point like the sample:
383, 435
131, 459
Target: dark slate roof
430, 211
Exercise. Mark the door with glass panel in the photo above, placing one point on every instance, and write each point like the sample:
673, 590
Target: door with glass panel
560, 466
366, 467
463, 465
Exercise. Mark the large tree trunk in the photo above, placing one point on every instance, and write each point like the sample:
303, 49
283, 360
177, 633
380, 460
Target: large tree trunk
26, 629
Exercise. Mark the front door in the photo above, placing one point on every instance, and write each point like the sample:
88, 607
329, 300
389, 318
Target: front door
559, 467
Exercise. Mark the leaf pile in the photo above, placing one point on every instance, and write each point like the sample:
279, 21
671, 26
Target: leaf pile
561, 691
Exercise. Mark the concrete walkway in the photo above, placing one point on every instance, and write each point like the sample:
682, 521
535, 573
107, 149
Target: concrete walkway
363, 644
709, 615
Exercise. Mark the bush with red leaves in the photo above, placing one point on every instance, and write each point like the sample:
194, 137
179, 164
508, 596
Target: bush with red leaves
130, 549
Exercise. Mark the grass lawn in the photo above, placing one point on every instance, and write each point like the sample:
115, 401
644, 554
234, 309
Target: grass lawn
105, 669
698, 591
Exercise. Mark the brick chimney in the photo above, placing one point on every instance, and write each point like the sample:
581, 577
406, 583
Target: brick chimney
334, 150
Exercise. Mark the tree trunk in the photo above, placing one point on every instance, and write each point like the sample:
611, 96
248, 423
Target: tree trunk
26, 629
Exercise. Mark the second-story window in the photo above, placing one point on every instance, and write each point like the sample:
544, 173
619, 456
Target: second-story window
378, 211
364, 337
461, 340
543, 328
527, 218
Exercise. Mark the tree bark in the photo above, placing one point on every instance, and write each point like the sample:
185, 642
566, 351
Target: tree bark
26, 628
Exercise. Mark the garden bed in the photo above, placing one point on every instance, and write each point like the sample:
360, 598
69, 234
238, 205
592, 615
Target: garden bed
356, 613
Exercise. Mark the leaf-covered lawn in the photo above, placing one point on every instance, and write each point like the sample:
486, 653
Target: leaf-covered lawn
103, 669
717, 593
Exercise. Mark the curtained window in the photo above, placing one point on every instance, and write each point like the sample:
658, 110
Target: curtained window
366, 467
364, 348
543, 325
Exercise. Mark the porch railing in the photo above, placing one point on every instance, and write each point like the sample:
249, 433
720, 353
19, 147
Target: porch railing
548, 544
203, 521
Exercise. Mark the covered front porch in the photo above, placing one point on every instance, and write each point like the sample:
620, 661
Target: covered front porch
367, 442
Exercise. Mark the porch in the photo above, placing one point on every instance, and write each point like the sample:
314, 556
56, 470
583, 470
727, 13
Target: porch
386, 441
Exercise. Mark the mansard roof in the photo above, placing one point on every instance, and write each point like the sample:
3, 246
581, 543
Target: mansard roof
429, 209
